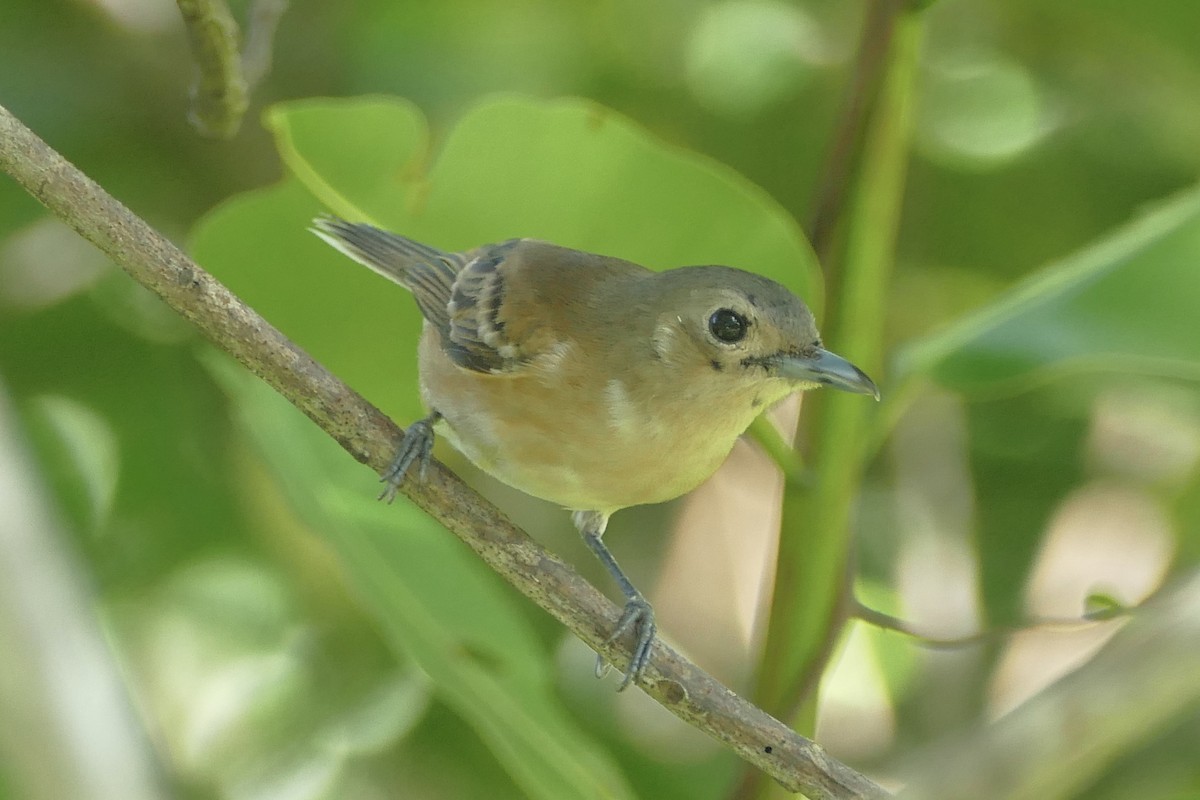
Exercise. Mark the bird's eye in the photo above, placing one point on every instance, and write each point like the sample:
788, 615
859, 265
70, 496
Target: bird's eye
728, 325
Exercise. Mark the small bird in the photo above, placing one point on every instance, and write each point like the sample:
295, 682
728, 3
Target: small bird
589, 381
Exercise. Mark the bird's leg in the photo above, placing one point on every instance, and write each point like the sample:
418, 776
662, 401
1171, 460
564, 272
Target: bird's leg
417, 445
638, 615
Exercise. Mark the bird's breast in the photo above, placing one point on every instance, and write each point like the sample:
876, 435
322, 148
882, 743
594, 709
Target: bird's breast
581, 439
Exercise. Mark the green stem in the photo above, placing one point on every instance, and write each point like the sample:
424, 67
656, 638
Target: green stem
779, 450
806, 614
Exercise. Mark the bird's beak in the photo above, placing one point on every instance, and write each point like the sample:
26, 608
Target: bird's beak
828, 369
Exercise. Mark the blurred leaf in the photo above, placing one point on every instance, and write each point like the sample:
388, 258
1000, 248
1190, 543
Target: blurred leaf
1187, 522
387, 713
1025, 457
1123, 305
1162, 766
1127, 303
91, 447
1101, 606
151, 413
744, 56
435, 601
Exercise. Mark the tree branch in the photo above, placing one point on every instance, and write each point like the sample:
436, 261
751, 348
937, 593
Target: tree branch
679, 685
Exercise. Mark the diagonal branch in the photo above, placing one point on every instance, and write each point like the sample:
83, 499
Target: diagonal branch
679, 685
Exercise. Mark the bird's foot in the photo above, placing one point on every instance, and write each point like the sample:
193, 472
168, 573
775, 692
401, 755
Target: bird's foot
416, 446
638, 616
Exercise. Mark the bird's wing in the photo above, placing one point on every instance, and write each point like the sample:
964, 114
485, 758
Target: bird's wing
517, 306
478, 337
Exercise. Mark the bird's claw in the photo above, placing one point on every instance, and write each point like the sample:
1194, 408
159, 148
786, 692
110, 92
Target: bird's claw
638, 616
416, 446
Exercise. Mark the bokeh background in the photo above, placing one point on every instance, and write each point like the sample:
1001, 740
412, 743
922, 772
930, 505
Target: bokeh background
182, 614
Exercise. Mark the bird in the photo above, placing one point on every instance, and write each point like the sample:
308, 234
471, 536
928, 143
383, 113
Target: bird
590, 381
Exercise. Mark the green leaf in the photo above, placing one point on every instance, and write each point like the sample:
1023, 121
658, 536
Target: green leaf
568, 171
362, 328
354, 154
434, 601
1125, 304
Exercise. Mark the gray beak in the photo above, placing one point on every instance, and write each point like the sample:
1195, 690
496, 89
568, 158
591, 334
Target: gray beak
828, 369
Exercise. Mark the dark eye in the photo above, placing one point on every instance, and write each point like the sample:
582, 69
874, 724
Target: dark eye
728, 325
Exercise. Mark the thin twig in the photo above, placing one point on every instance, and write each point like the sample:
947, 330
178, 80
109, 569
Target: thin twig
887, 622
220, 96
227, 76
679, 685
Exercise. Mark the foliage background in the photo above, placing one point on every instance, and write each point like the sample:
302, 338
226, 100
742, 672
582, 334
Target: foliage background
1043, 446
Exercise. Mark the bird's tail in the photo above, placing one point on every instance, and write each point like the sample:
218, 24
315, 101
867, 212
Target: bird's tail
393, 256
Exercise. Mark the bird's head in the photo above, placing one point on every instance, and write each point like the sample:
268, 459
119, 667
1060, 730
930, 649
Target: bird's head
749, 330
